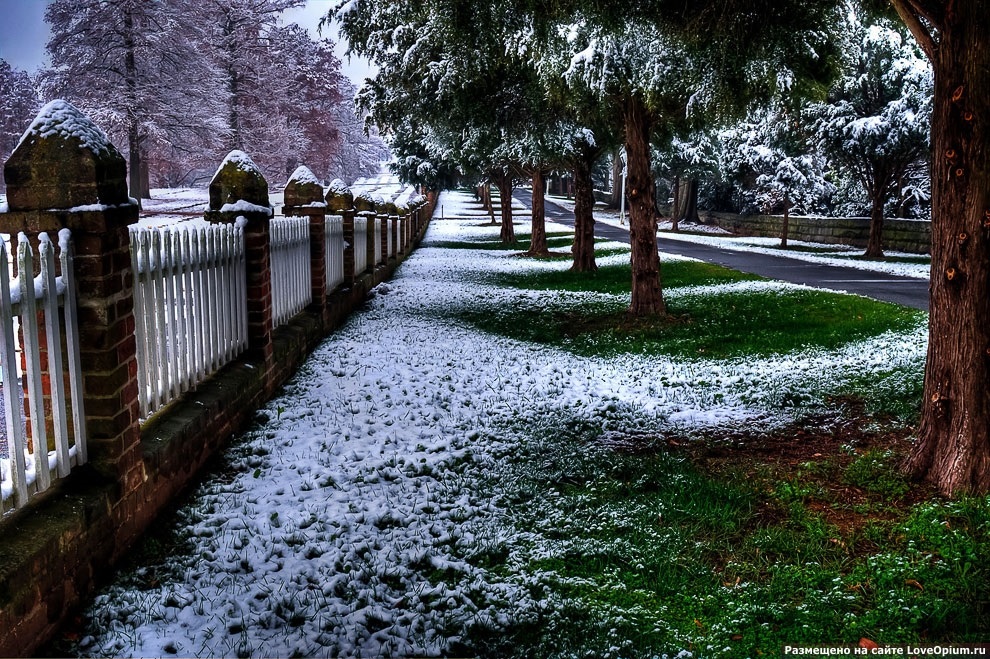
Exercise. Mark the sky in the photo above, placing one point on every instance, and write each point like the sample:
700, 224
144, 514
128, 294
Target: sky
23, 35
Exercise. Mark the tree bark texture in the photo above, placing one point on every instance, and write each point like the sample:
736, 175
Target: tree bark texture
538, 223
874, 247
953, 448
675, 209
647, 297
687, 201
616, 178
584, 218
504, 182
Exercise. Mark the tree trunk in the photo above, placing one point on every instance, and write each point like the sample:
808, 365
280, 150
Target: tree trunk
953, 447
538, 224
688, 205
145, 177
675, 209
133, 123
487, 194
508, 233
647, 297
787, 222
616, 178
874, 248
584, 217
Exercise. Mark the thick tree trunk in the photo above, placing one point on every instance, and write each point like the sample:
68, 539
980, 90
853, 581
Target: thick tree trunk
616, 178
647, 297
953, 448
584, 217
874, 247
538, 224
508, 233
145, 177
688, 205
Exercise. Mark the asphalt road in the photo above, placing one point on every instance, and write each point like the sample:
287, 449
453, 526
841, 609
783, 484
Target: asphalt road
907, 291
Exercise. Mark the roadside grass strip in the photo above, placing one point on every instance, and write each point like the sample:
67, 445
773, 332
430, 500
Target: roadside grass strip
425, 487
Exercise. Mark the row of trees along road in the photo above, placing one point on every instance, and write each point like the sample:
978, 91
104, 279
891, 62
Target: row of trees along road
178, 83
498, 90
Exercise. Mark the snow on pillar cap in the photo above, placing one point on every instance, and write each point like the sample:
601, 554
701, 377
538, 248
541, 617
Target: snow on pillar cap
365, 202
339, 196
303, 188
65, 161
381, 204
239, 186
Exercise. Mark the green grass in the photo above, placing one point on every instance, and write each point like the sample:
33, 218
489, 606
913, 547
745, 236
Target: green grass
733, 324
647, 553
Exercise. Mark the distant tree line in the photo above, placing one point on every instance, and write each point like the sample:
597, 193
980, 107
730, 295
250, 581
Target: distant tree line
178, 83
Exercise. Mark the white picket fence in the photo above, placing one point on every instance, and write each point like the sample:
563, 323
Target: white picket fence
391, 237
190, 306
360, 245
377, 237
290, 265
27, 467
335, 251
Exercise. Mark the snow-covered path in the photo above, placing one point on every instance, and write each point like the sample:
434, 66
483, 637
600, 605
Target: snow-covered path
351, 518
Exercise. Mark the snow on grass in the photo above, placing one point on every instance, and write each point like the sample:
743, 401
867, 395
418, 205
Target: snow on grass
835, 255
351, 519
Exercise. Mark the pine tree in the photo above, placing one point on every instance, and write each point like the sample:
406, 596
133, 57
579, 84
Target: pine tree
875, 124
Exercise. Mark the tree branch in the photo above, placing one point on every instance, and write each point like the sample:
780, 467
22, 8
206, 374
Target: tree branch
911, 14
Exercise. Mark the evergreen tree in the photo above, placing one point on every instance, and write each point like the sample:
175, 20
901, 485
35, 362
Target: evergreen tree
875, 125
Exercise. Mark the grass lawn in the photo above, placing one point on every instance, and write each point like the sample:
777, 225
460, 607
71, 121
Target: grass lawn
734, 543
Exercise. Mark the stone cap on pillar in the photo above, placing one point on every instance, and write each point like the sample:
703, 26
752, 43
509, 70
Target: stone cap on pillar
303, 191
381, 204
339, 197
238, 189
365, 202
65, 162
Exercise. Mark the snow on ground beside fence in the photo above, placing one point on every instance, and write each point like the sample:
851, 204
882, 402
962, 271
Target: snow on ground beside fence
345, 521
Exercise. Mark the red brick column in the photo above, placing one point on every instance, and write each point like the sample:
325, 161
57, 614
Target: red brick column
239, 193
349, 274
66, 174
340, 200
304, 197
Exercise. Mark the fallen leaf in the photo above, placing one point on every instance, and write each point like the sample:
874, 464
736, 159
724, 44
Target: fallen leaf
868, 644
914, 583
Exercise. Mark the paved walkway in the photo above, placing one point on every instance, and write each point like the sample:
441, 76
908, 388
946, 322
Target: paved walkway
881, 286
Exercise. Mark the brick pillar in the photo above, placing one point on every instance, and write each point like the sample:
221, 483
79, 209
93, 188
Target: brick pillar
382, 213
304, 196
393, 226
239, 191
403, 211
364, 204
349, 274
65, 173
340, 201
